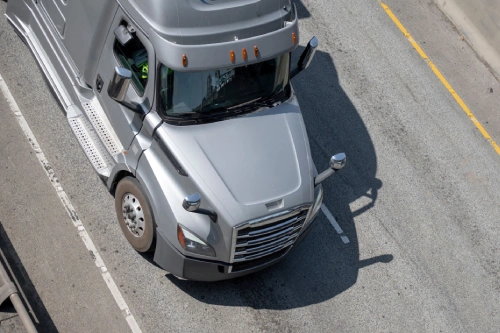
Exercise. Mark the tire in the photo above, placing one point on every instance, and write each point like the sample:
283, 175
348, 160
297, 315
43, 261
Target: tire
133, 208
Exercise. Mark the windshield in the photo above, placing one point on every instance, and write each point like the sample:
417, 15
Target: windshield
185, 94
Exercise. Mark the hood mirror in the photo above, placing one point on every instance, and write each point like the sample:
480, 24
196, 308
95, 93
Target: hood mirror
337, 162
191, 204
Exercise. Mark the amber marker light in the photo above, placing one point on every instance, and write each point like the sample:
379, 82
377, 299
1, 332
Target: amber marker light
256, 51
184, 60
232, 56
180, 237
244, 54
294, 38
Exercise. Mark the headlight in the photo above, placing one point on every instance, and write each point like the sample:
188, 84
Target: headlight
192, 243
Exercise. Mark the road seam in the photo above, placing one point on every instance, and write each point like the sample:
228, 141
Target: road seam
440, 76
89, 244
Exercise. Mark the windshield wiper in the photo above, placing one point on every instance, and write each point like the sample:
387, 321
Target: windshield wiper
223, 111
266, 101
234, 110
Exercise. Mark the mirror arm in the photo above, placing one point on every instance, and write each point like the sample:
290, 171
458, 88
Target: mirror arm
137, 108
132, 106
209, 213
322, 176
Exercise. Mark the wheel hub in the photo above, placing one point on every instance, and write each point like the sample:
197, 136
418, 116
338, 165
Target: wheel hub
133, 214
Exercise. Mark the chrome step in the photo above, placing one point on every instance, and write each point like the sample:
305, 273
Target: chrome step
101, 125
91, 144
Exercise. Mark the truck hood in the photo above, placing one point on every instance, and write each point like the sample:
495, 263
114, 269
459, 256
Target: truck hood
252, 164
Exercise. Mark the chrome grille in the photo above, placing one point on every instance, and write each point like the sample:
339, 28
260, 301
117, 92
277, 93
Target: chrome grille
268, 235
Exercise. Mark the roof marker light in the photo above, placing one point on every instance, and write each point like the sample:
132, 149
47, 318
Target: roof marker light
244, 54
184, 60
256, 51
232, 56
294, 38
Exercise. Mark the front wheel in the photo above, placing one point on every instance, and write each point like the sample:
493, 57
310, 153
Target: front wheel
134, 215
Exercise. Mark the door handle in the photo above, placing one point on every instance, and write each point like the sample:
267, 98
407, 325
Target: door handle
99, 83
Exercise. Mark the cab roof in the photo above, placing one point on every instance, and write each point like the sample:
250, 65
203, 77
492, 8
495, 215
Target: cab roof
195, 22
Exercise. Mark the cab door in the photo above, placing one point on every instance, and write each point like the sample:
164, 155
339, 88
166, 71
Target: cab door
137, 55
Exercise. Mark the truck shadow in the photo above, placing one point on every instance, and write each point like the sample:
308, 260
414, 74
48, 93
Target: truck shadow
301, 9
324, 265
38, 313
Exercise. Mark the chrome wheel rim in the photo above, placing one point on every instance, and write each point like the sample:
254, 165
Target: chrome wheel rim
133, 214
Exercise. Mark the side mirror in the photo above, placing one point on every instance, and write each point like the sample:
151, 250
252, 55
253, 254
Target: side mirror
308, 54
191, 204
337, 162
118, 86
306, 57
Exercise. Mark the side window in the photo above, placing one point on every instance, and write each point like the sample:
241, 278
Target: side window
134, 57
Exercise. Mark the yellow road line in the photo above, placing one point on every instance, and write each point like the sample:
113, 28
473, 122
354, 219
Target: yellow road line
441, 78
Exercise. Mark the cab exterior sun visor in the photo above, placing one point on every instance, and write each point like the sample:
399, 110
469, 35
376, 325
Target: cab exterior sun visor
215, 56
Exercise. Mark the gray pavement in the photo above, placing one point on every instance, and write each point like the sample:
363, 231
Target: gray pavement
58, 274
418, 199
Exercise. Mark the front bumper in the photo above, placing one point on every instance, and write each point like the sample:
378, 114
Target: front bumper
171, 260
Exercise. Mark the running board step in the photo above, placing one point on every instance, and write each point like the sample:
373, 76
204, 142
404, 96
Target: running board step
101, 125
92, 145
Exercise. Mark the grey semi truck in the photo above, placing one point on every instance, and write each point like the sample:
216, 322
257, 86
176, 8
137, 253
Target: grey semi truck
186, 111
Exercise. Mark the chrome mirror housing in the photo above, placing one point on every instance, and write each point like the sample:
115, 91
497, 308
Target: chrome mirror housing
337, 161
306, 57
118, 86
308, 54
192, 202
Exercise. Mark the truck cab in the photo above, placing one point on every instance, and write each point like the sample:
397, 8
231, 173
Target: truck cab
186, 111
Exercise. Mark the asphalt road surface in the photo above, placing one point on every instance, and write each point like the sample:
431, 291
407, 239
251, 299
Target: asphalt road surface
417, 201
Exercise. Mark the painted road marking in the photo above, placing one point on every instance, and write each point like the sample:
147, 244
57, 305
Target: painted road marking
120, 301
441, 78
334, 223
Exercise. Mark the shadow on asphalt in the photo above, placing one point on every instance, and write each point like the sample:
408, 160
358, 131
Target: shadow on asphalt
301, 9
322, 266
40, 317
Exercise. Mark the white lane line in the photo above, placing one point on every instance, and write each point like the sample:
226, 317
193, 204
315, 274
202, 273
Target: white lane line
345, 239
334, 223
120, 301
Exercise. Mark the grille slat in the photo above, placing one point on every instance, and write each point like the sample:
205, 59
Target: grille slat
282, 240
254, 241
263, 254
269, 238
272, 229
